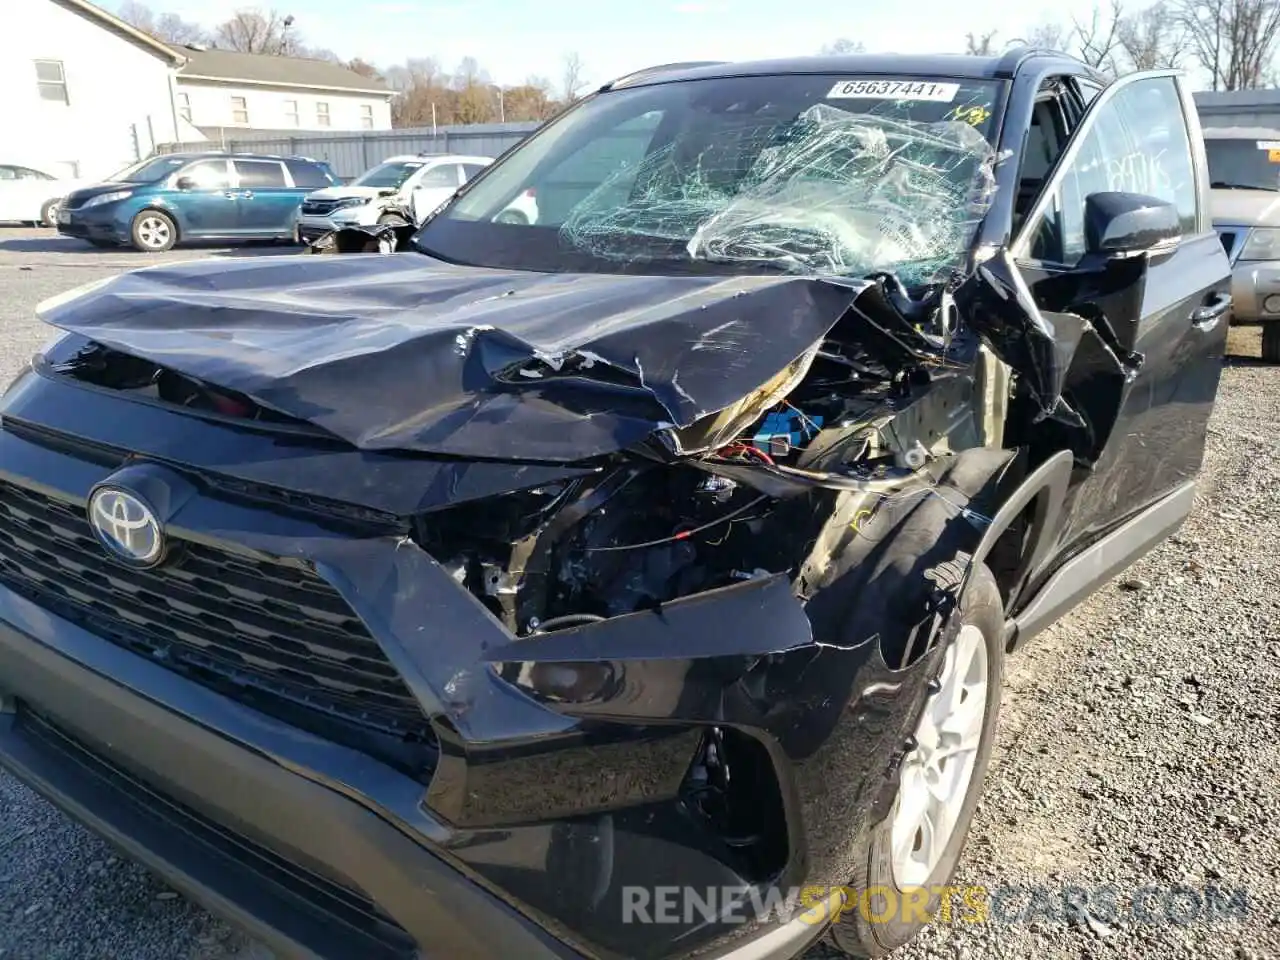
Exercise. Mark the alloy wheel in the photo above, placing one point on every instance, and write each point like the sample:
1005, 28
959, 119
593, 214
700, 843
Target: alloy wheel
153, 232
937, 773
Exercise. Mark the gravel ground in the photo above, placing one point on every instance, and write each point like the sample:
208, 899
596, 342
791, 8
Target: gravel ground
1137, 747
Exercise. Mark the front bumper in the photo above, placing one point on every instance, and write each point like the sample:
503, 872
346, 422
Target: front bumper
115, 747
313, 228
95, 223
1255, 292
538, 817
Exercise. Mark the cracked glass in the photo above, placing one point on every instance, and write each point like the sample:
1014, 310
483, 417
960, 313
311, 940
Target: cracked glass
813, 175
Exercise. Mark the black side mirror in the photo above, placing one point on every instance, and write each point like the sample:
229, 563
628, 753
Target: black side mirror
186, 183
1120, 224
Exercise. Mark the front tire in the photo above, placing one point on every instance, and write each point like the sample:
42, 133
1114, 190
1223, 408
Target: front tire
917, 847
154, 232
49, 213
1271, 341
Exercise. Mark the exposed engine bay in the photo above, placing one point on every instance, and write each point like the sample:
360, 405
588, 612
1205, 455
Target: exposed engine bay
859, 424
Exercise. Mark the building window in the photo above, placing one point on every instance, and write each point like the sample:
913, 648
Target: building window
366, 116
52, 81
184, 106
239, 110
322, 114
291, 113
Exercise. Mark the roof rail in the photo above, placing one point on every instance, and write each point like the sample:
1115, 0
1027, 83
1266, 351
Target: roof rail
659, 69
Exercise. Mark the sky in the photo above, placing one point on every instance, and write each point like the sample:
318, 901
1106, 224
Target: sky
514, 39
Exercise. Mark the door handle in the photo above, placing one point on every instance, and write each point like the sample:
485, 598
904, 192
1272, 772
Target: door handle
246, 194
1211, 310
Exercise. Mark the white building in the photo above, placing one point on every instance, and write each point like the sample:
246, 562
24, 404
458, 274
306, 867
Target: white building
225, 93
81, 90
84, 93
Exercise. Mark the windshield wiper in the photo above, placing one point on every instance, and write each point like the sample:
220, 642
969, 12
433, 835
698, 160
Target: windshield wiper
1224, 185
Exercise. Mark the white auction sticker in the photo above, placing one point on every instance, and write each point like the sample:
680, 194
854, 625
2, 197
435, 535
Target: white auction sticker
894, 90
1269, 144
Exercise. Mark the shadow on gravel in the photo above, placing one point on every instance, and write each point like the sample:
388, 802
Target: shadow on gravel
249, 248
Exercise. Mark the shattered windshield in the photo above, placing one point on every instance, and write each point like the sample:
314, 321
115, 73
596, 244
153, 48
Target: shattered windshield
818, 175
388, 174
1244, 164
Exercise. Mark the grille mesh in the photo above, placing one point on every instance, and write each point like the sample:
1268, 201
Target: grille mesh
271, 633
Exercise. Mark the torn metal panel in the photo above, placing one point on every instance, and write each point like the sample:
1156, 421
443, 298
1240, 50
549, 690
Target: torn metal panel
1073, 357
997, 304
377, 238
404, 352
832, 193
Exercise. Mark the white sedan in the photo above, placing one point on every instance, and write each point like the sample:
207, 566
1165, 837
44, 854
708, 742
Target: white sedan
31, 195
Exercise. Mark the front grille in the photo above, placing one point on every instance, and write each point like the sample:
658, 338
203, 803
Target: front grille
377, 934
319, 208
269, 633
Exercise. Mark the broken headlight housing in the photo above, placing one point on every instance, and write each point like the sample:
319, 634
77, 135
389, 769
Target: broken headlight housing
599, 547
348, 202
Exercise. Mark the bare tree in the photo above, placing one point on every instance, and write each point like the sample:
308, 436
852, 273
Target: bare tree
1049, 36
573, 80
843, 45
1233, 40
255, 31
364, 68
1098, 41
171, 28
980, 44
167, 27
1153, 38
137, 15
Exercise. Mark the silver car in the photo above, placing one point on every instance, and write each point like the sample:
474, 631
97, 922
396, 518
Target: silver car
1244, 171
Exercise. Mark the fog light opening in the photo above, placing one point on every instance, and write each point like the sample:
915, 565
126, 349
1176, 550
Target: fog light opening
732, 790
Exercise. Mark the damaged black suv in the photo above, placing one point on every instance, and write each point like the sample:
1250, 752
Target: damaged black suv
633, 581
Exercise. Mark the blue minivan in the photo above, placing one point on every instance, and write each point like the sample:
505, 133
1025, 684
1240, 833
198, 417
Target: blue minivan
194, 196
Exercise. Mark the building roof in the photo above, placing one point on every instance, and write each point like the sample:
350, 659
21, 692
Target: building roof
122, 29
229, 66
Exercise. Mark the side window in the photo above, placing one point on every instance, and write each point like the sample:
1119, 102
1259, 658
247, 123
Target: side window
307, 175
8, 173
1136, 142
26, 173
208, 174
1088, 92
441, 175
260, 174
1046, 139
471, 169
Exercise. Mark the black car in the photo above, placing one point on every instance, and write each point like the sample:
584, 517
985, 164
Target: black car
634, 582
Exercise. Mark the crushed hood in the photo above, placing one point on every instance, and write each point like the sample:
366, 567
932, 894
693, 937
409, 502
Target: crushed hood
405, 352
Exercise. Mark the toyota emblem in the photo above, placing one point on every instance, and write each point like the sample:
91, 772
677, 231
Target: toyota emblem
126, 527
